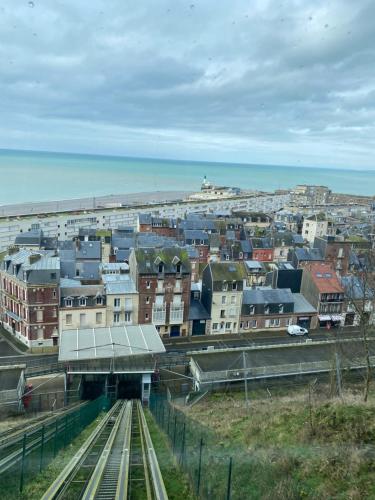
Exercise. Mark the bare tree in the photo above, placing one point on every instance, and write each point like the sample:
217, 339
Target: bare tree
360, 294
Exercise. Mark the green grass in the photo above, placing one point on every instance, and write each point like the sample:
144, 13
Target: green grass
176, 483
35, 489
287, 448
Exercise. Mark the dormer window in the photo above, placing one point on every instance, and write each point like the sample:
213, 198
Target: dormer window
82, 301
161, 267
252, 309
281, 308
178, 267
225, 287
99, 300
69, 302
266, 309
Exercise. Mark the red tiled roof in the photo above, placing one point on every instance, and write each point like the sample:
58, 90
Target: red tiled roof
325, 278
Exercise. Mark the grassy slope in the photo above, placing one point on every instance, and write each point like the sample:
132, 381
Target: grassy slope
176, 483
281, 451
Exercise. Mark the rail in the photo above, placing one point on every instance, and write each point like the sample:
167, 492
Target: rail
117, 461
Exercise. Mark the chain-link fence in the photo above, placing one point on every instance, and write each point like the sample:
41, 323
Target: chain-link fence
24, 456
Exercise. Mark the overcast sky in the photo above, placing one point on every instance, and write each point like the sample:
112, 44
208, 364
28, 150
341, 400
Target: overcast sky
289, 82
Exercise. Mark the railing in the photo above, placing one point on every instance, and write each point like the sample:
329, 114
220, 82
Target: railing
176, 314
158, 315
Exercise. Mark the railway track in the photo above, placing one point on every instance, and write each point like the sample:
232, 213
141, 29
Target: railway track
11, 441
117, 461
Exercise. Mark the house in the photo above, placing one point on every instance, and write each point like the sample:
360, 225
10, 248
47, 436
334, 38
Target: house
323, 289
301, 256
81, 305
262, 249
264, 308
335, 251
199, 318
163, 226
222, 287
284, 275
122, 300
255, 273
29, 295
316, 225
163, 281
283, 243
200, 240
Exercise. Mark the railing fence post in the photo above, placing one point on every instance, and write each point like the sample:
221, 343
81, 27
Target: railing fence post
229, 484
41, 450
199, 466
23, 462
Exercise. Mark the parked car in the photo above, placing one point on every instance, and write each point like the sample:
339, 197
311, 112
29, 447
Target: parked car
297, 330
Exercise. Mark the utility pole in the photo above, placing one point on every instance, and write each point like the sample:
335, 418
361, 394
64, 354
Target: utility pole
245, 377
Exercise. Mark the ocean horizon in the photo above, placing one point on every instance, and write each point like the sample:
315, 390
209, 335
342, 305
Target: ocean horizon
33, 176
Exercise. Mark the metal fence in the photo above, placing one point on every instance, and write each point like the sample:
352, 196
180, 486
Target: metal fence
199, 452
23, 457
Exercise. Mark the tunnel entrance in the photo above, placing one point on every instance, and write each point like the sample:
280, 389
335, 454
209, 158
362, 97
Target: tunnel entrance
92, 389
129, 386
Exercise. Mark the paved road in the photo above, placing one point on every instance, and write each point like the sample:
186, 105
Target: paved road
258, 338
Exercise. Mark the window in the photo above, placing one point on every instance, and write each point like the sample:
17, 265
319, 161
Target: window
68, 319
228, 326
234, 285
99, 317
178, 286
161, 267
253, 323
178, 268
54, 313
53, 276
266, 309
82, 301
53, 294
281, 308
99, 300
252, 309
117, 302
39, 315
233, 299
215, 326
127, 317
82, 319
148, 284
222, 313
40, 334
274, 322
116, 317
223, 299
68, 302
146, 316
147, 300
225, 287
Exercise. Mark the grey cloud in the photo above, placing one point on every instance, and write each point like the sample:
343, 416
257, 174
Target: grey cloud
219, 80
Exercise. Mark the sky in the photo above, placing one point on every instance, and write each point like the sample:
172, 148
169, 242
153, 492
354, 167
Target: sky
258, 81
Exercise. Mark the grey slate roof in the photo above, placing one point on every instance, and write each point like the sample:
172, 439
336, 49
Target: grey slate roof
301, 305
89, 250
246, 246
253, 264
267, 296
118, 284
197, 311
309, 254
195, 234
29, 238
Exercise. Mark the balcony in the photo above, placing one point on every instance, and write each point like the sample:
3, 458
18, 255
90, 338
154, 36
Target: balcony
176, 315
158, 315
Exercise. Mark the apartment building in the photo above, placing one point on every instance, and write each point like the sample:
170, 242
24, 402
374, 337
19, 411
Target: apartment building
122, 299
222, 287
315, 226
29, 295
323, 289
81, 305
163, 280
264, 308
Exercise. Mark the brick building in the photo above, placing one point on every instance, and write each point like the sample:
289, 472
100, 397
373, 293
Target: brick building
163, 280
29, 295
163, 226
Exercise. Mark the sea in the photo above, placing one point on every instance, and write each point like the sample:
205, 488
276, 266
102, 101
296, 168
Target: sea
27, 176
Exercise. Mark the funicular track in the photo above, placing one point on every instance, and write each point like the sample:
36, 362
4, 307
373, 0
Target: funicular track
116, 462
